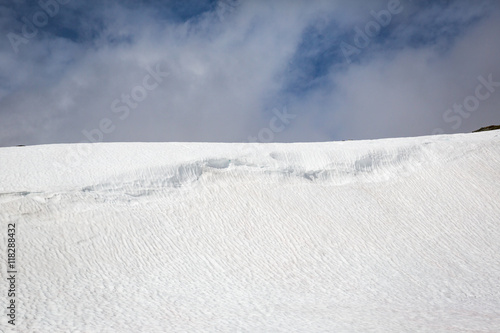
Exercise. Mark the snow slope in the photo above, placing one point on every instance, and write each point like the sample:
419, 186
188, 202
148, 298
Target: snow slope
395, 235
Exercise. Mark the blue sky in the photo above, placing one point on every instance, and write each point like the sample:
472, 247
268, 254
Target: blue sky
75, 71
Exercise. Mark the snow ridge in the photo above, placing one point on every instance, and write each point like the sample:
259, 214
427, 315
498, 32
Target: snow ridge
396, 235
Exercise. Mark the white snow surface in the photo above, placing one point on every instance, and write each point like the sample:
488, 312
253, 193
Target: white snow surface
393, 235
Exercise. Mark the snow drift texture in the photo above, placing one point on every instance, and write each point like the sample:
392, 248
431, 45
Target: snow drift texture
398, 235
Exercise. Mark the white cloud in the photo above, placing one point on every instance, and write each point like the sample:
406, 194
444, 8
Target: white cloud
228, 71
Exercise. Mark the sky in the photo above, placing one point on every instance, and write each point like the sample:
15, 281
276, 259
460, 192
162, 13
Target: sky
245, 71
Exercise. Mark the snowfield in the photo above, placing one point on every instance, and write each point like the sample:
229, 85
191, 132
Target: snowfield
393, 235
